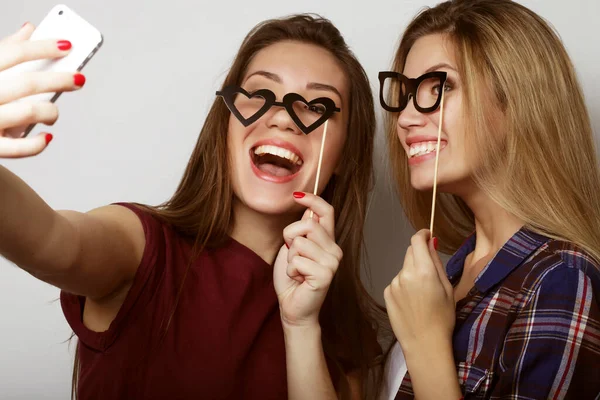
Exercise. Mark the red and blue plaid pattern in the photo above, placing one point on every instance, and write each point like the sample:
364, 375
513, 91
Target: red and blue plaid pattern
530, 327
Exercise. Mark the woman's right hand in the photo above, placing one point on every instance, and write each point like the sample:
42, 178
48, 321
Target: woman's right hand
17, 49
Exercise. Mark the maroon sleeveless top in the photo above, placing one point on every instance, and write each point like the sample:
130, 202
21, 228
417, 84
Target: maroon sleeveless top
225, 339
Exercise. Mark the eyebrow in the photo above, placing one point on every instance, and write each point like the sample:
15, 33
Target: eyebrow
322, 86
438, 66
268, 75
310, 85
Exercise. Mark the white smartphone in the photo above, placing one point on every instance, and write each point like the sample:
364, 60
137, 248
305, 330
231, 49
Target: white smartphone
60, 23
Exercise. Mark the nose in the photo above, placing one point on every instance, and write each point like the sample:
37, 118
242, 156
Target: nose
280, 119
410, 117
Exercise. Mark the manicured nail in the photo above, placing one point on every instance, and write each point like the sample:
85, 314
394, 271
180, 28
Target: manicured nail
79, 80
435, 244
286, 245
24, 25
299, 195
64, 45
49, 138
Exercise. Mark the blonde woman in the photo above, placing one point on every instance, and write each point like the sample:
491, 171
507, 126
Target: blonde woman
514, 314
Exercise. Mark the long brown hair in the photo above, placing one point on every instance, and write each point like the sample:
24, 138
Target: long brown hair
542, 165
202, 204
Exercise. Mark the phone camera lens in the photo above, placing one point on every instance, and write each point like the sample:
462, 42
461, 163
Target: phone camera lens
60, 13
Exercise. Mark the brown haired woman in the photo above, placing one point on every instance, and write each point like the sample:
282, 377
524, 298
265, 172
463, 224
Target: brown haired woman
227, 290
516, 310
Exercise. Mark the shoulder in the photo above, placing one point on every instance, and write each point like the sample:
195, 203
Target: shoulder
562, 269
558, 256
126, 215
552, 344
138, 224
126, 218
132, 213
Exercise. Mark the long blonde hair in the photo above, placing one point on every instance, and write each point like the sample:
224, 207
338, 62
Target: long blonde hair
539, 164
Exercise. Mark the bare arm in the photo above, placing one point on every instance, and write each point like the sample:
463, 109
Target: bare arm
355, 385
92, 254
433, 371
307, 372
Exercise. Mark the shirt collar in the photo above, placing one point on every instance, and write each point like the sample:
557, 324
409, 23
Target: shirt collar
516, 250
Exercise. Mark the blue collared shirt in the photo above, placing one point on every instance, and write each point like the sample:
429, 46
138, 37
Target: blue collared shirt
530, 326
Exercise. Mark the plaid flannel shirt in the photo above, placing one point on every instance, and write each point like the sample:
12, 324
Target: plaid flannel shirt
530, 326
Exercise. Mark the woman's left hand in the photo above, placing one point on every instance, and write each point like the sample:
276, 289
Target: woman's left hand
303, 272
420, 299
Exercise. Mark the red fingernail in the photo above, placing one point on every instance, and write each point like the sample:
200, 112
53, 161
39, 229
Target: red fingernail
286, 245
79, 79
299, 195
435, 243
64, 45
49, 138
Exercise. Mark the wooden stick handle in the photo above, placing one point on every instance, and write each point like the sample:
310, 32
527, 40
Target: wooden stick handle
319, 165
435, 172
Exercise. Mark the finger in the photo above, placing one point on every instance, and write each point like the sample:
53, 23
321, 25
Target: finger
21, 148
307, 215
22, 34
31, 83
408, 259
392, 309
324, 210
308, 249
439, 265
315, 232
16, 52
280, 266
316, 276
389, 296
422, 256
24, 113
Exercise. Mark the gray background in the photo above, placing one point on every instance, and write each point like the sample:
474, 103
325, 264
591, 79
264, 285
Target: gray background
128, 134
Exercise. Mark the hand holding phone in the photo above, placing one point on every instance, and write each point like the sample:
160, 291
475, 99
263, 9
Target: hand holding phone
36, 66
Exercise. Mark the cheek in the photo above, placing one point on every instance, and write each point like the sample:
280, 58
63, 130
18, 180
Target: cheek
401, 135
235, 137
334, 146
455, 131
453, 123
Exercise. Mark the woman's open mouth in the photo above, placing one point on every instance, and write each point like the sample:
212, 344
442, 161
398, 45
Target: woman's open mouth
423, 151
274, 163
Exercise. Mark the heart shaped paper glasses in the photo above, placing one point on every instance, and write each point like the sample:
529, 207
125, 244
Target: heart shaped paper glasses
249, 107
427, 93
307, 115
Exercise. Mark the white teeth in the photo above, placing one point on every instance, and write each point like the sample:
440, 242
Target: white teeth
422, 148
279, 152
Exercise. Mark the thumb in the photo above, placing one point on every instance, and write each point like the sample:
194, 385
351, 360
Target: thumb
306, 215
25, 147
281, 256
279, 266
437, 261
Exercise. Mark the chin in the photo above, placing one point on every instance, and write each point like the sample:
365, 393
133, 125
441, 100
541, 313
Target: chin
422, 180
271, 205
